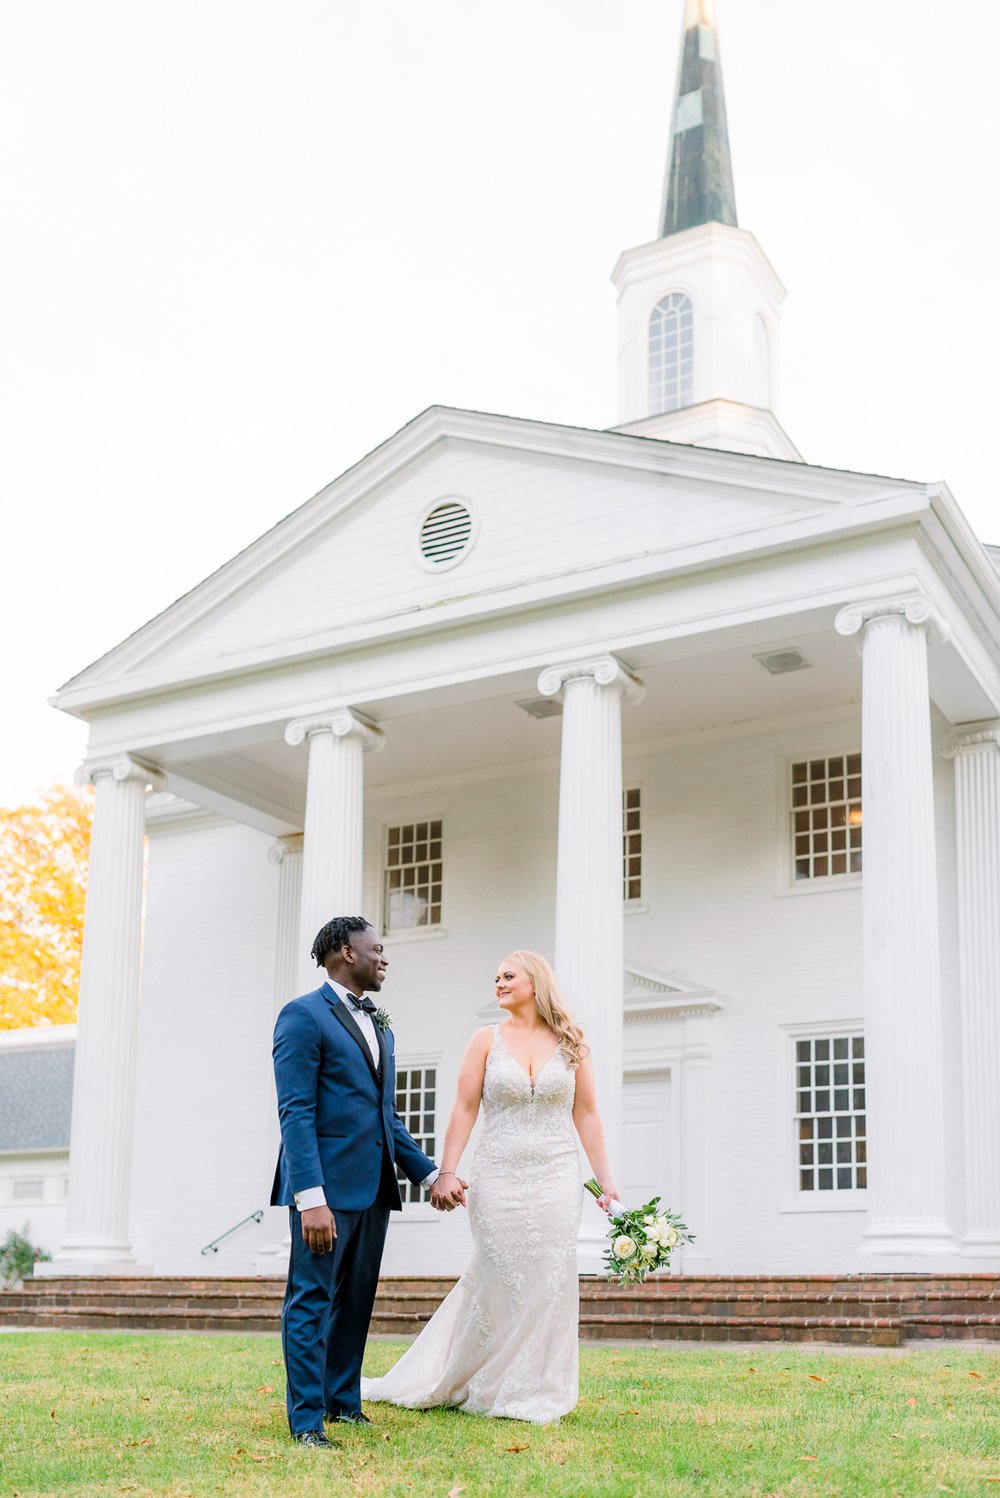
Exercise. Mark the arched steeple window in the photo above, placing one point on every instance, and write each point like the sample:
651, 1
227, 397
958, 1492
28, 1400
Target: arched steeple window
671, 354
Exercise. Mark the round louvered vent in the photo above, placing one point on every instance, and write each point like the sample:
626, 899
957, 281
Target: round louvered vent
446, 533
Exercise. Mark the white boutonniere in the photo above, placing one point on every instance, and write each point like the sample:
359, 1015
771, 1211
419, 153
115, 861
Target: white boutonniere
382, 1018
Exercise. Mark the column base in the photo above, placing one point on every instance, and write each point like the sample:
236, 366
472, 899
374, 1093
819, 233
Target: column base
272, 1258
591, 1247
920, 1240
982, 1247
93, 1269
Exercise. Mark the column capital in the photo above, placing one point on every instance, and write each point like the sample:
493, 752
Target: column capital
120, 767
605, 670
344, 723
967, 736
914, 608
285, 847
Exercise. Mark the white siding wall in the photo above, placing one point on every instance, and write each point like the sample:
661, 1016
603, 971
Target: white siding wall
204, 1096
45, 1219
715, 913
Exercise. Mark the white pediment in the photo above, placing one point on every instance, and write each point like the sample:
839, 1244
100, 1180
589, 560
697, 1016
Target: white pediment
653, 993
555, 510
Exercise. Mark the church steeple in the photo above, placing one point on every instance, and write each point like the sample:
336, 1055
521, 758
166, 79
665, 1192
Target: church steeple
699, 180
699, 309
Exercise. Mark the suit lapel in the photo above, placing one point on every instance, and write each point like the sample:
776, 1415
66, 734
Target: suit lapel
343, 1014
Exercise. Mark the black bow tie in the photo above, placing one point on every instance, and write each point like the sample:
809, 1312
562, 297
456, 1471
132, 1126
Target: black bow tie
364, 1003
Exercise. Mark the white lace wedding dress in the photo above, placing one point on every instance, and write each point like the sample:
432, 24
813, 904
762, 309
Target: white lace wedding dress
505, 1340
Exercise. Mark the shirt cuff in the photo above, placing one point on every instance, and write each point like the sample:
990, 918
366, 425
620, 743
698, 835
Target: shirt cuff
428, 1181
313, 1196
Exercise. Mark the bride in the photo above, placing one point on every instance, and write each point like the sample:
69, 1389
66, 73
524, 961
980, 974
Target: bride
505, 1340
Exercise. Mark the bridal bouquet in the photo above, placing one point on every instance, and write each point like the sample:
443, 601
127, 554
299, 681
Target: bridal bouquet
641, 1241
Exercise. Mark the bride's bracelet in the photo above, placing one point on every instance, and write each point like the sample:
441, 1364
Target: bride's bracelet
447, 1173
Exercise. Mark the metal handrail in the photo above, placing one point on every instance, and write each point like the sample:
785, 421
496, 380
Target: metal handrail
213, 1247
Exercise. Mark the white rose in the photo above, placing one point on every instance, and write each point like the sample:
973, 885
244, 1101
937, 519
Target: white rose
648, 1221
653, 1234
650, 1251
671, 1238
624, 1247
663, 1223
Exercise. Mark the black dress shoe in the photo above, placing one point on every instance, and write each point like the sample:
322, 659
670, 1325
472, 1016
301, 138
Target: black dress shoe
311, 1438
349, 1417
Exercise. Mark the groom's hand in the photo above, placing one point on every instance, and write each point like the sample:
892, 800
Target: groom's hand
448, 1192
318, 1229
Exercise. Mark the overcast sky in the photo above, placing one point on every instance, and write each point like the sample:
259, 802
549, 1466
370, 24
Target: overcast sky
242, 243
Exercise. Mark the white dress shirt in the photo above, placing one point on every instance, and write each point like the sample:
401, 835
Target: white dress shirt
315, 1196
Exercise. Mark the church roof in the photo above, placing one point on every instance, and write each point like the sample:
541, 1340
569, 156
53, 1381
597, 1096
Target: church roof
699, 184
36, 1096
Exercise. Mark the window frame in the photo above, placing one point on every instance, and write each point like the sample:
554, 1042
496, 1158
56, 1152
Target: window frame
638, 903
421, 1209
408, 933
787, 884
654, 388
793, 1198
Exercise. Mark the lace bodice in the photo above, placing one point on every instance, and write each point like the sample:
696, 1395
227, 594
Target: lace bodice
530, 1117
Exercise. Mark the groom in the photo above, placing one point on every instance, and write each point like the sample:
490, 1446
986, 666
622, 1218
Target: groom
334, 1072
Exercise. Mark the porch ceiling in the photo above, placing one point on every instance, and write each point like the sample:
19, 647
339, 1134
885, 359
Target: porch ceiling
694, 693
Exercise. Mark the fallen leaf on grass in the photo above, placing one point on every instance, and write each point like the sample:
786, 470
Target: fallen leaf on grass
975, 1375
808, 1458
263, 1456
911, 1401
265, 1388
816, 1378
517, 1448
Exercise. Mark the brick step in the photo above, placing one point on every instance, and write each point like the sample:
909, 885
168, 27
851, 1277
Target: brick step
865, 1309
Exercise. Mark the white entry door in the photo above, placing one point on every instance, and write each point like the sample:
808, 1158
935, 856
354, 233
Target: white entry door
648, 1148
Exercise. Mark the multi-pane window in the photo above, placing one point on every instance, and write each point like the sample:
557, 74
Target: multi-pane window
416, 1104
27, 1189
413, 876
830, 1113
632, 843
826, 816
671, 354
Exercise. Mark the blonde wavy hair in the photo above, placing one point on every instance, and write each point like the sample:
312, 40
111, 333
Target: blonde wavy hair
551, 1006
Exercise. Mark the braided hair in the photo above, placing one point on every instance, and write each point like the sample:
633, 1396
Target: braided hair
336, 934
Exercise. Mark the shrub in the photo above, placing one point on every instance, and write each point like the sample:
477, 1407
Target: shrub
18, 1257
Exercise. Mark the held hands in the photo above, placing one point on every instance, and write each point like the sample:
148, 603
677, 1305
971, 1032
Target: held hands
318, 1229
448, 1191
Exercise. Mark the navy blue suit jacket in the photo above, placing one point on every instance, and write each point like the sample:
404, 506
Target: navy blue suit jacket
338, 1115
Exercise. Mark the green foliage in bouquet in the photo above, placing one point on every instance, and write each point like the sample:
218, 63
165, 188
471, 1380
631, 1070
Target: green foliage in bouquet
641, 1240
18, 1257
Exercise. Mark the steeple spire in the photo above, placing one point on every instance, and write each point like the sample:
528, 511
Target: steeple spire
699, 184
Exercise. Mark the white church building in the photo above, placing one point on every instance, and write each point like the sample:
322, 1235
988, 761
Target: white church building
716, 729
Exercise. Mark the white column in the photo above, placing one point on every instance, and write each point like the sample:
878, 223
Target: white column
902, 976
977, 808
332, 855
589, 959
97, 1238
286, 853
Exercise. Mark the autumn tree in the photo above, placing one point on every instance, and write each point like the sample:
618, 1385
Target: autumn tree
43, 881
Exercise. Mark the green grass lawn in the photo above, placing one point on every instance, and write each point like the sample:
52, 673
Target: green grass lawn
95, 1414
